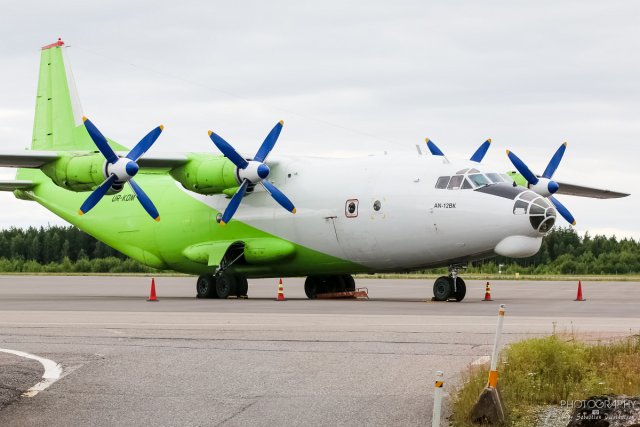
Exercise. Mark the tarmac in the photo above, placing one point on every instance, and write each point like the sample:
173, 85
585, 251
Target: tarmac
257, 362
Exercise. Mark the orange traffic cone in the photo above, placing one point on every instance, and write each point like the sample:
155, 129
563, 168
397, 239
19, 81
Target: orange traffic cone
579, 296
487, 293
152, 295
280, 292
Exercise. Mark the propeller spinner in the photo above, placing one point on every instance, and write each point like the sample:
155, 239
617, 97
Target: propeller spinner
120, 169
544, 185
252, 171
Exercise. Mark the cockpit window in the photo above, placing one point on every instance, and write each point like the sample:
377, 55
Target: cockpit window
442, 182
506, 178
479, 180
495, 178
455, 182
462, 172
466, 185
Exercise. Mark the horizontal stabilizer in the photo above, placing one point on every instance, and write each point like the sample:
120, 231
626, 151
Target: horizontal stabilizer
16, 185
581, 191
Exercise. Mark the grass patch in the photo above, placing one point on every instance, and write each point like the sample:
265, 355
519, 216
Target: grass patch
544, 371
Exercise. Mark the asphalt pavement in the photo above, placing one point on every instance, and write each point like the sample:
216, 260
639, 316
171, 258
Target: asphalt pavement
258, 362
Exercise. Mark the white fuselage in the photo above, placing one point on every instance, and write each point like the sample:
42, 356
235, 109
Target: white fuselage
400, 221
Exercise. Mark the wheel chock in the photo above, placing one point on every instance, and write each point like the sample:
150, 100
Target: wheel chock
357, 294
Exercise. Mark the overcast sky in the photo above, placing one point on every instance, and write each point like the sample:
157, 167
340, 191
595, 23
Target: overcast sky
348, 78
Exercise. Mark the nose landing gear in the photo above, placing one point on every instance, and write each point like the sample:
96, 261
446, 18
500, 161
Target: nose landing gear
449, 287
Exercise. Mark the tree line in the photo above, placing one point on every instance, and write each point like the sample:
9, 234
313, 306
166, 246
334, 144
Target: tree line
68, 249
60, 249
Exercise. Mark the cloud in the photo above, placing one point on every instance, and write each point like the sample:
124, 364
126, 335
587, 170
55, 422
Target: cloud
351, 77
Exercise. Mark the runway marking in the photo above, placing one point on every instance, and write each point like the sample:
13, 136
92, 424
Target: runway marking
52, 371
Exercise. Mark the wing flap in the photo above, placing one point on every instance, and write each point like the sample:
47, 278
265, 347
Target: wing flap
27, 159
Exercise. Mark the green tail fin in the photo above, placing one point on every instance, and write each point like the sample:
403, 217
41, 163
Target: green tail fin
58, 121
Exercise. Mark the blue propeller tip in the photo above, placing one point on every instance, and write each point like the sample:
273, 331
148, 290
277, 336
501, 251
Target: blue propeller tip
263, 171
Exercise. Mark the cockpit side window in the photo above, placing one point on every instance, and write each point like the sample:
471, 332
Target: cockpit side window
466, 185
442, 182
506, 178
495, 178
455, 182
479, 180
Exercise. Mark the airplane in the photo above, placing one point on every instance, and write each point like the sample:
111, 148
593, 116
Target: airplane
228, 217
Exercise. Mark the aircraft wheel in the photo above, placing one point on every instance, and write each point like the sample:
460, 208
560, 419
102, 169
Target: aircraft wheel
311, 287
442, 288
461, 289
226, 285
349, 283
242, 286
206, 287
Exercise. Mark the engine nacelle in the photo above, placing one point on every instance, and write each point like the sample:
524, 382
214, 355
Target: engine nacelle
207, 174
81, 172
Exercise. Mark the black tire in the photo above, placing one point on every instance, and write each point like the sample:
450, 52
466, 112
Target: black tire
461, 289
242, 286
443, 288
206, 287
349, 283
226, 285
311, 287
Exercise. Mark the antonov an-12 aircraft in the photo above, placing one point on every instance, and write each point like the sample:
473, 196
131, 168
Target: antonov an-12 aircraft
231, 217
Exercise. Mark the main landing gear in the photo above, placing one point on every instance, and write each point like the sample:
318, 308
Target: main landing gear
315, 285
223, 285
449, 287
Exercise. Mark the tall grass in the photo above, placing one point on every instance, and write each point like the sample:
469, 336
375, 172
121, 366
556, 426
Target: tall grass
544, 371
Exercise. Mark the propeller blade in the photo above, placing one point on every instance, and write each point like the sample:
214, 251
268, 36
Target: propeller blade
481, 151
232, 207
269, 142
144, 144
522, 168
278, 196
144, 200
563, 211
97, 194
433, 148
100, 141
228, 150
554, 162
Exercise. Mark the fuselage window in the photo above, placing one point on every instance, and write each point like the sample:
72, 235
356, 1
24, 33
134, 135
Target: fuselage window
455, 182
442, 182
479, 180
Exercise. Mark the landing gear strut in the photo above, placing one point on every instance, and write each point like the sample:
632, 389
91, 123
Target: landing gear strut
315, 285
450, 287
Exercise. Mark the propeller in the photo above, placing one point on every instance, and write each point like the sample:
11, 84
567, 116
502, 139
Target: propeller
251, 171
120, 169
544, 185
476, 157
